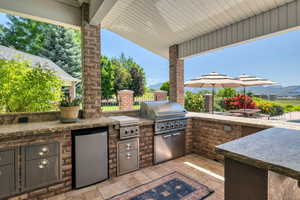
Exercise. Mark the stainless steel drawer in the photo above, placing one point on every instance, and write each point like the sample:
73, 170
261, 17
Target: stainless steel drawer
128, 161
38, 151
7, 157
41, 172
128, 145
7, 180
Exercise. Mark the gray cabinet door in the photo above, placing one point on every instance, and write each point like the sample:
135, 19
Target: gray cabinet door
38, 151
41, 172
178, 144
128, 161
162, 148
7, 180
7, 157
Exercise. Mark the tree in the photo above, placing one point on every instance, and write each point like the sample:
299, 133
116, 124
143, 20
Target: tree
23, 34
227, 92
27, 89
107, 77
137, 80
59, 44
165, 86
61, 47
122, 77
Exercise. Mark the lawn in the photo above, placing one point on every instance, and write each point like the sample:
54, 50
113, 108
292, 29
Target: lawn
114, 108
294, 102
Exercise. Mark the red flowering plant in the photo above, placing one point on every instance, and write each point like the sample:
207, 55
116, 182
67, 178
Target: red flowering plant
237, 102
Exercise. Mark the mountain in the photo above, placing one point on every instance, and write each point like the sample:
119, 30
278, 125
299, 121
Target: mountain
155, 86
276, 90
258, 90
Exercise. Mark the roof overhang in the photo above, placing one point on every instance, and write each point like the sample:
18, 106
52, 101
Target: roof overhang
197, 26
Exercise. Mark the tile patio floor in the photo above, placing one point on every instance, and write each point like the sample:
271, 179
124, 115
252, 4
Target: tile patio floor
203, 170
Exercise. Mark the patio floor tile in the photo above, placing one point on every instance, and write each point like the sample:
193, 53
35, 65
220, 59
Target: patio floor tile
205, 171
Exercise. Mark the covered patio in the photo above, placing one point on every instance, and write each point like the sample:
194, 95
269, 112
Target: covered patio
174, 30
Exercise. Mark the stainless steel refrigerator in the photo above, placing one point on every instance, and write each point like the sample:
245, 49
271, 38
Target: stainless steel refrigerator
90, 156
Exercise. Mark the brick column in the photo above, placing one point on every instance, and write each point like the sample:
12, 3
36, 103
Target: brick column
176, 76
90, 66
208, 103
160, 95
125, 99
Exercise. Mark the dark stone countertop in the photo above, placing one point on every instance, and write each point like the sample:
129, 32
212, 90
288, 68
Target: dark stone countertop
38, 128
274, 149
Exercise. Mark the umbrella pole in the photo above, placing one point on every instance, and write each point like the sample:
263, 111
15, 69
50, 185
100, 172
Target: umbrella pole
213, 99
244, 98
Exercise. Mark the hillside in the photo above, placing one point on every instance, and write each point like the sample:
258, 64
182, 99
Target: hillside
268, 90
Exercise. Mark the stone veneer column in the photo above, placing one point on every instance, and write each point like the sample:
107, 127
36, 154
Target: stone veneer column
160, 95
91, 78
208, 103
176, 76
125, 99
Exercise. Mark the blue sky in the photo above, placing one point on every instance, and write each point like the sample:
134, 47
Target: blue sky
276, 58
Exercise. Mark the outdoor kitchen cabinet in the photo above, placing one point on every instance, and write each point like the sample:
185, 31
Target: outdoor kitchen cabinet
8, 172
127, 156
40, 165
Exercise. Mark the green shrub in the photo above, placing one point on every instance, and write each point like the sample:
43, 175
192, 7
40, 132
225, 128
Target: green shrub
26, 89
194, 102
269, 107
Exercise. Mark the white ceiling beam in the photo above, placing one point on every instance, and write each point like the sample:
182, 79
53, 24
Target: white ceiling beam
275, 21
99, 9
49, 11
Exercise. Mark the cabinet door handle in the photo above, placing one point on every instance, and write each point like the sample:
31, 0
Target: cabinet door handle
43, 164
44, 151
166, 136
128, 146
129, 156
175, 134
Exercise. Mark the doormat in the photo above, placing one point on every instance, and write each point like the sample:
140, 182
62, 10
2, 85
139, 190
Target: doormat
174, 186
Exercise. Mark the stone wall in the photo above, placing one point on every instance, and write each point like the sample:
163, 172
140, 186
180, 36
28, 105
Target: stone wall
189, 137
65, 184
208, 134
13, 118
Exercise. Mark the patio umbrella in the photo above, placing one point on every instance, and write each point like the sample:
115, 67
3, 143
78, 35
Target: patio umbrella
248, 80
213, 80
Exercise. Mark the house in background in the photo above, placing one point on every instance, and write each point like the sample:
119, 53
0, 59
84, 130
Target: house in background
69, 82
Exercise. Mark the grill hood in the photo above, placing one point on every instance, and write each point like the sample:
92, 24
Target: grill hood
158, 110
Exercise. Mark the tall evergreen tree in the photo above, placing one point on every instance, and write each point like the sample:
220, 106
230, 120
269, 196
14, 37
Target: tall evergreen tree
61, 47
59, 44
23, 34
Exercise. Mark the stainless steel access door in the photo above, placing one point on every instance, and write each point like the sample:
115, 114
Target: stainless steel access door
91, 158
168, 146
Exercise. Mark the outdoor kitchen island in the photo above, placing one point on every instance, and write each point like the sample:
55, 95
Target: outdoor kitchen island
263, 166
28, 149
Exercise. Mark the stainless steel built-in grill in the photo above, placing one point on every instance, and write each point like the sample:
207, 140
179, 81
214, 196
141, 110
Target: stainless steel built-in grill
169, 124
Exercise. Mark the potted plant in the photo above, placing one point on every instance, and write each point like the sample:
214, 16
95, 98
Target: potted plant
69, 110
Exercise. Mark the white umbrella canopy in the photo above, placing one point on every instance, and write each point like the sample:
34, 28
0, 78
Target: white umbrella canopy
213, 80
248, 80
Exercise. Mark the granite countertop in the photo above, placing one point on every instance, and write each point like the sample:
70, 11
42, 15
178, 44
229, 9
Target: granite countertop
27, 129
246, 121
275, 149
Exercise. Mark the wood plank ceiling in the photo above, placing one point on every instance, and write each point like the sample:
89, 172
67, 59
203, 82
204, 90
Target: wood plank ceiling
158, 24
